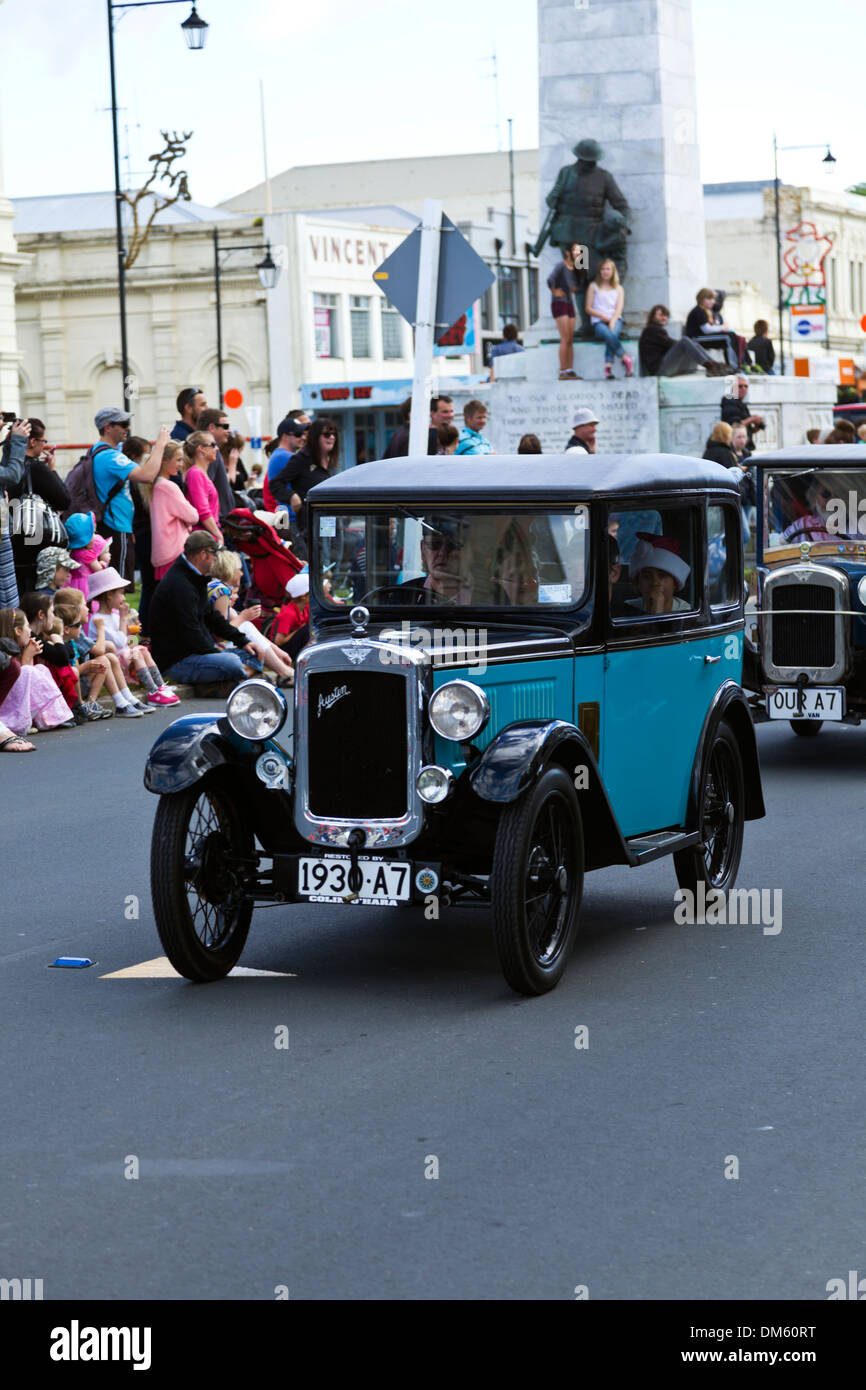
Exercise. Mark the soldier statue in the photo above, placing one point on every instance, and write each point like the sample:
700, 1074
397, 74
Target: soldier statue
586, 206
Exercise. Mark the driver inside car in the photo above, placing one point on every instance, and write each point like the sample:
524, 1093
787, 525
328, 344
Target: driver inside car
446, 558
814, 526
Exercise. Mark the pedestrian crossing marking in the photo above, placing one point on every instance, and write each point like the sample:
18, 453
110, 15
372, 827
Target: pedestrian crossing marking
161, 969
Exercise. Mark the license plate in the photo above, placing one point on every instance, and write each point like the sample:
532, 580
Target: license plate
819, 702
327, 881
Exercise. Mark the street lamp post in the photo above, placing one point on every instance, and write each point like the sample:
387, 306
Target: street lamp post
828, 159
195, 33
268, 271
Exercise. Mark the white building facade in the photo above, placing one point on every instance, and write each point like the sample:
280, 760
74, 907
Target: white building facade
741, 257
68, 313
324, 337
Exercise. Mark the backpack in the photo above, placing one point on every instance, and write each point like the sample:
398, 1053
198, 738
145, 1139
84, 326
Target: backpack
82, 488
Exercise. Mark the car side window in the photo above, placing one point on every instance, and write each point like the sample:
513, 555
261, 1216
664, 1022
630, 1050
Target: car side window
652, 562
723, 555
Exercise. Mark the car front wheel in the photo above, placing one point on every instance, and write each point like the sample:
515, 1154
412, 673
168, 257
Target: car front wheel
196, 876
536, 883
715, 861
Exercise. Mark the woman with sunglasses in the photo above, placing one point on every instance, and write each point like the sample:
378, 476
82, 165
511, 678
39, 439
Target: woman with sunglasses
199, 451
312, 464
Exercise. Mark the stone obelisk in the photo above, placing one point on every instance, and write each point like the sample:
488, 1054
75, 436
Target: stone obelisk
9, 262
622, 72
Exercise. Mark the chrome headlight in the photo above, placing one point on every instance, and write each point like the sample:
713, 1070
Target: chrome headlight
861, 591
256, 710
434, 784
459, 710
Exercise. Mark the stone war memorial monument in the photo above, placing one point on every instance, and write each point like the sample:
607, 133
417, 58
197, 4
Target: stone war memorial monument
619, 173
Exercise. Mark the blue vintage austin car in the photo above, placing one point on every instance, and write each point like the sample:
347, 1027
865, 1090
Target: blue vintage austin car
522, 669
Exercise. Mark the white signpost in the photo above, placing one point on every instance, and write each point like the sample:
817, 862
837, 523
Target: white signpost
431, 279
425, 326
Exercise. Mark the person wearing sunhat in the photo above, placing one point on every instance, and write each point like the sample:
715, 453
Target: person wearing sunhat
54, 566
659, 571
112, 474
110, 621
184, 624
83, 542
583, 432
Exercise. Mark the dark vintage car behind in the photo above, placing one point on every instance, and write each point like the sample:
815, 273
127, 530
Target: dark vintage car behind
806, 661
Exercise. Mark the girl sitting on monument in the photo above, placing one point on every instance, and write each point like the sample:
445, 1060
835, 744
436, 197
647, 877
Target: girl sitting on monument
604, 304
562, 282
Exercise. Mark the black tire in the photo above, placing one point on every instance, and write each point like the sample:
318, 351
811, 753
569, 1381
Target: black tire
201, 916
723, 812
541, 827
806, 728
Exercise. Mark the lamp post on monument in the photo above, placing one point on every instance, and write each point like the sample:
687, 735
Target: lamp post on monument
268, 271
829, 161
195, 33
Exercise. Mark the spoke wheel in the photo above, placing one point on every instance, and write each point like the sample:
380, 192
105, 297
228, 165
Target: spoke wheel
201, 915
715, 861
536, 883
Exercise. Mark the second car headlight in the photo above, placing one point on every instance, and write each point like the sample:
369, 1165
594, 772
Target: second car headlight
459, 710
861, 591
256, 710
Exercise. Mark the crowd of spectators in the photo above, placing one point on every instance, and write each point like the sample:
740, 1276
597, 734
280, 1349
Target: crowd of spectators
68, 635
72, 650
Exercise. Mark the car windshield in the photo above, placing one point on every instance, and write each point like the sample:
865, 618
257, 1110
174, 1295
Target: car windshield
453, 555
809, 504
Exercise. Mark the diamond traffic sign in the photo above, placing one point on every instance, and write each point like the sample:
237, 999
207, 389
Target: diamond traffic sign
463, 276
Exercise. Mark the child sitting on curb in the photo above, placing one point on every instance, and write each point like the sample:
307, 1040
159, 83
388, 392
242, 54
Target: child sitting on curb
222, 592
28, 695
39, 612
91, 657
292, 626
110, 621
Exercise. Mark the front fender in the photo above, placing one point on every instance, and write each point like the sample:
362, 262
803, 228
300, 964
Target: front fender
729, 706
184, 752
518, 756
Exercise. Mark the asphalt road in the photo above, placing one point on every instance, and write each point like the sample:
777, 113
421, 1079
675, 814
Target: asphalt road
304, 1167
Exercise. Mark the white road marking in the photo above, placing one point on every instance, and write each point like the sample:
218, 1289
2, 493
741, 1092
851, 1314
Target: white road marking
160, 969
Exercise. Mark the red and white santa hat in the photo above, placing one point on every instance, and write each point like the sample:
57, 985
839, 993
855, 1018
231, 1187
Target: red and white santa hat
660, 553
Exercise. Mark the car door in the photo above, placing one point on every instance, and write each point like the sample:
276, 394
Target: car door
661, 667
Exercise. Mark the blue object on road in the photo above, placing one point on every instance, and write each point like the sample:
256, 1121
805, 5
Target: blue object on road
71, 962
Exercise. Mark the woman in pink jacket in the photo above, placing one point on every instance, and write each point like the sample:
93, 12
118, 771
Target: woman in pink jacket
172, 516
199, 451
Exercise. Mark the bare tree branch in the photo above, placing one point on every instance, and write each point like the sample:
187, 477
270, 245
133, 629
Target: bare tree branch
162, 171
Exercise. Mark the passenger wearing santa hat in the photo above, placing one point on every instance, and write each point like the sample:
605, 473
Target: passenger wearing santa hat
659, 571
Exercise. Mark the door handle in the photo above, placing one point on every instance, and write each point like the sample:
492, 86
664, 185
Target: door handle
711, 660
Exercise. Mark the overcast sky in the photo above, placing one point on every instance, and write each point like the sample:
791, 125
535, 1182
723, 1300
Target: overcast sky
379, 79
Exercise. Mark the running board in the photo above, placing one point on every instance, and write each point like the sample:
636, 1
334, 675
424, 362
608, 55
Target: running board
643, 848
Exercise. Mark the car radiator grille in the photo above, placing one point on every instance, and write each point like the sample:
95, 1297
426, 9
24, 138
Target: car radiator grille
803, 639
357, 745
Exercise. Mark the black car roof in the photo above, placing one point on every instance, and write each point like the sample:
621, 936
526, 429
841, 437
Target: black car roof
522, 477
813, 456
